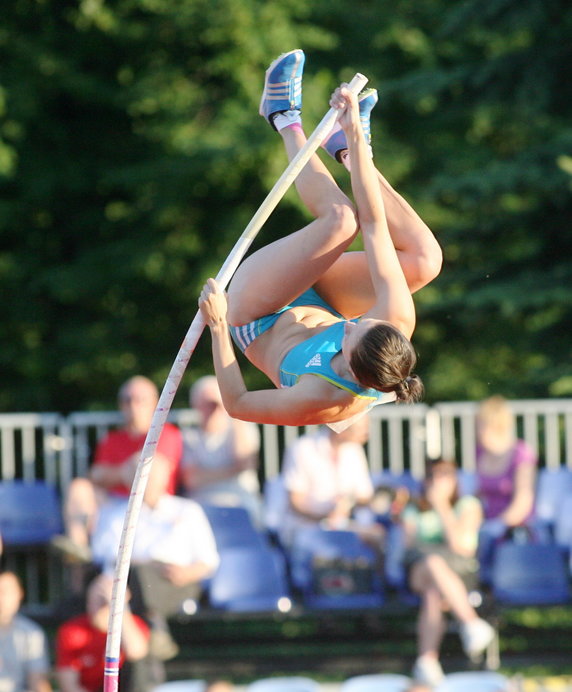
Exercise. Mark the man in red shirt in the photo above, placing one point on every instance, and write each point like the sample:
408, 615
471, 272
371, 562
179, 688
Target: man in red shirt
113, 469
117, 455
80, 644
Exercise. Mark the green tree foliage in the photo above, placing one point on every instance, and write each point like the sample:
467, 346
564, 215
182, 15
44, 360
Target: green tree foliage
132, 157
129, 166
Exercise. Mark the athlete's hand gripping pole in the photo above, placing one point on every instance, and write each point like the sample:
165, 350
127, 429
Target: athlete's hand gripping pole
111, 672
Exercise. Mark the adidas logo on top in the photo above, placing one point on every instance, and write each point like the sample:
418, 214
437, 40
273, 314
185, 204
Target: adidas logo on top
314, 360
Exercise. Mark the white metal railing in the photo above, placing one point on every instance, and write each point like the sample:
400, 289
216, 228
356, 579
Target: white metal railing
57, 448
546, 424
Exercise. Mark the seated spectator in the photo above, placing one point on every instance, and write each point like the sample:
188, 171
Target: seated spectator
506, 466
174, 550
326, 477
80, 645
220, 456
115, 460
24, 664
441, 532
506, 476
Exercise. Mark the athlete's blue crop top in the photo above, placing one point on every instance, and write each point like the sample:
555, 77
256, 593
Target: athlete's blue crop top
313, 357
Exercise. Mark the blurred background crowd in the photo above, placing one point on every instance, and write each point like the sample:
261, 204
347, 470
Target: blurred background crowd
326, 533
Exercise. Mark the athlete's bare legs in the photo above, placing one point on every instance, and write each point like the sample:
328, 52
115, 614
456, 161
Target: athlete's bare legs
281, 271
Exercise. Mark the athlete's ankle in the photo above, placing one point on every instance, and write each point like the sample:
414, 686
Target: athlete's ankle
285, 119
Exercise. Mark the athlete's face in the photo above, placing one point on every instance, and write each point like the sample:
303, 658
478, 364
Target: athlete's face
353, 333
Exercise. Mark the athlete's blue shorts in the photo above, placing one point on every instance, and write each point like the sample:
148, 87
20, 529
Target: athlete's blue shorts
243, 336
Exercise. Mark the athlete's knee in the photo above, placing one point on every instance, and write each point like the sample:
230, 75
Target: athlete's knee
432, 260
427, 264
343, 220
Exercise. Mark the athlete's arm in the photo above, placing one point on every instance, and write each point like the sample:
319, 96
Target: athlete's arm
309, 402
393, 297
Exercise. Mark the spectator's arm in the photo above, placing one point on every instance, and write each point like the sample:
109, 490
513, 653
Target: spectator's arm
68, 680
134, 639
109, 475
38, 682
194, 477
181, 575
409, 525
461, 530
246, 444
522, 501
309, 508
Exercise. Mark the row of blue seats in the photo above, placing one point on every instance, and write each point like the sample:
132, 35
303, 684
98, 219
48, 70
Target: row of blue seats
30, 511
269, 578
318, 566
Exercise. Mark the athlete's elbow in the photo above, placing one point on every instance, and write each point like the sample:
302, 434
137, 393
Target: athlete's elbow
231, 407
235, 408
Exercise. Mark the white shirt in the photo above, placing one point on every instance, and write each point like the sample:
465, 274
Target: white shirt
176, 531
23, 650
324, 474
216, 451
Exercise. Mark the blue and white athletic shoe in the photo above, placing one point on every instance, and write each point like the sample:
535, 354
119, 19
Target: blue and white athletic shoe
283, 85
336, 140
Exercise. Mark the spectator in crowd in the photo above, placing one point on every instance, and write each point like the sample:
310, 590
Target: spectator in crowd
24, 663
326, 477
115, 460
506, 466
506, 476
80, 645
220, 456
174, 550
441, 532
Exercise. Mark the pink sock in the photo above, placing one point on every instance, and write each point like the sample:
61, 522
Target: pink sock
296, 126
287, 119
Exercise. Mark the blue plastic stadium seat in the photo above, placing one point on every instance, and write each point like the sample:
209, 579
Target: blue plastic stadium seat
552, 487
232, 527
250, 579
30, 513
530, 574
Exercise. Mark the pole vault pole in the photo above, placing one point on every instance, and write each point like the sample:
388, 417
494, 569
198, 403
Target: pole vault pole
113, 644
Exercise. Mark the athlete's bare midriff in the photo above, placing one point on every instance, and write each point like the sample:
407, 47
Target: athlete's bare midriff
267, 351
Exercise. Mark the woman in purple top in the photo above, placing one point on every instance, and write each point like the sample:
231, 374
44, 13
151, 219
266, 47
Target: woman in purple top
506, 475
506, 466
